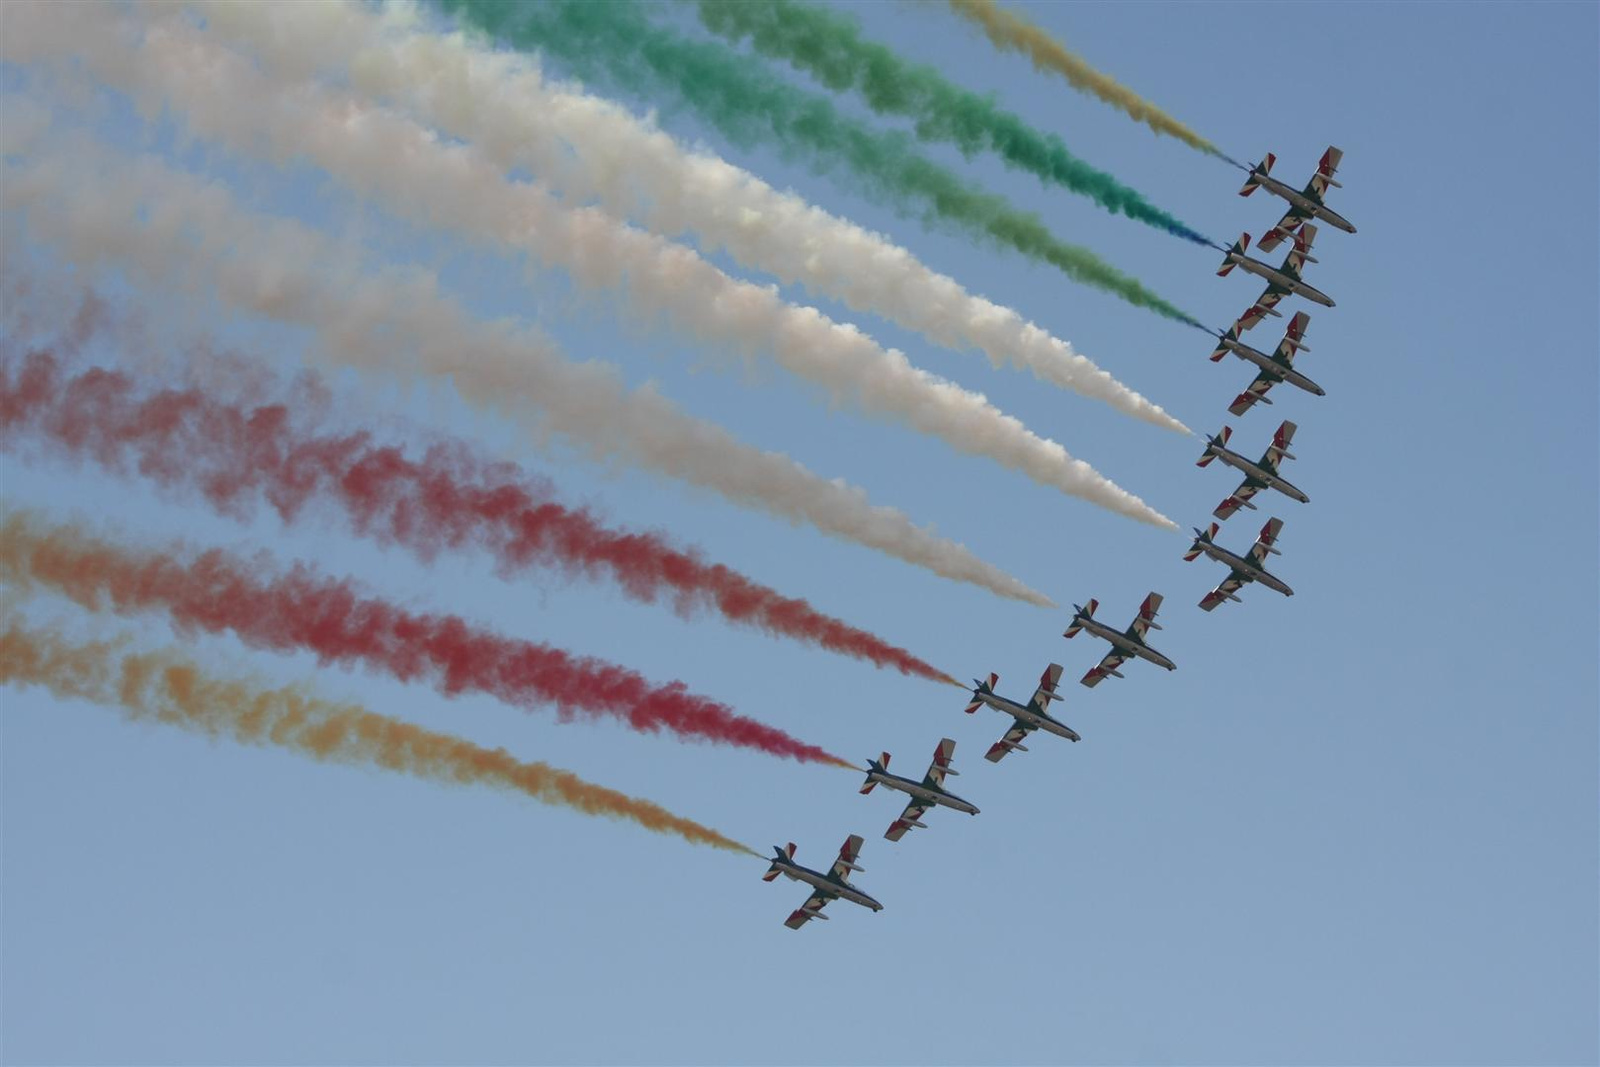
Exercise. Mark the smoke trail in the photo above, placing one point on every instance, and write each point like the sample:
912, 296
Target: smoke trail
302, 611
592, 150
103, 210
382, 153
1010, 32
747, 104
230, 453
164, 687
828, 46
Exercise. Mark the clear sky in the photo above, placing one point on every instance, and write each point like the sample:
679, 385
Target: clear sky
1354, 826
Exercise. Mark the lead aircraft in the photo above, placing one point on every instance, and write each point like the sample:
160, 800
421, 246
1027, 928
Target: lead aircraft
1125, 644
1278, 367
1281, 281
926, 794
1028, 717
1262, 474
1247, 568
1302, 205
831, 886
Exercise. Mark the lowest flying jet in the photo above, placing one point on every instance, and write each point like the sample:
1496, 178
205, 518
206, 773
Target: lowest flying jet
825, 887
1303, 206
1247, 568
1281, 281
1262, 474
926, 794
1027, 717
1278, 367
1125, 644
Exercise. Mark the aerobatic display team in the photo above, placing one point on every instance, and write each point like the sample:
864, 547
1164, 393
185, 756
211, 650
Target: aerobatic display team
441, 114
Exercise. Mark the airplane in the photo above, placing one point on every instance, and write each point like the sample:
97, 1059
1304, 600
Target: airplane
826, 887
1029, 717
1257, 476
1125, 645
1303, 206
926, 794
1278, 367
1281, 281
1247, 568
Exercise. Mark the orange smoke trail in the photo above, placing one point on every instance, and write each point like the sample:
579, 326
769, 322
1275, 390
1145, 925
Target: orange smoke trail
167, 688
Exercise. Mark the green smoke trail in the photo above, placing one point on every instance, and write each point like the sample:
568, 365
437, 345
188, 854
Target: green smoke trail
828, 46
614, 42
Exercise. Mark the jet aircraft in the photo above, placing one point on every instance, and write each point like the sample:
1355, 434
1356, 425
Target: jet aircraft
1247, 568
1028, 717
1278, 367
825, 887
926, 794
1260, 475
1303, 206
1125, 644
1281, 281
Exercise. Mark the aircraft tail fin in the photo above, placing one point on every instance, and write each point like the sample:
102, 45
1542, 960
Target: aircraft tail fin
1232, 334
1086, 612
1199, 540
870, 783
1259, 171
777, 868
1239, 247
1220, 439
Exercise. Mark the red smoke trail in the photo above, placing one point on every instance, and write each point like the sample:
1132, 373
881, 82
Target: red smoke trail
216, 593
185, 438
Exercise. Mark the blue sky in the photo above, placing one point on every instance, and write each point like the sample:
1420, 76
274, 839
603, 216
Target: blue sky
1354, 826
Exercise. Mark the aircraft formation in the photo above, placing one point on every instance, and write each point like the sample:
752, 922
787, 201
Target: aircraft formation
1295, 226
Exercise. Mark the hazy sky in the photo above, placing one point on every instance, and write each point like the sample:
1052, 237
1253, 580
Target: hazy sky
1354, 826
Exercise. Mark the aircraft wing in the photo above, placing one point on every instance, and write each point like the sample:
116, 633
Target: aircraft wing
1269, 535
1047, 687
847, 857
1327, 167
1147, 615
1241, 496
808, 911
1293, 337
1102, 670
1012, 738
940, 765
1256, 390
1281, 229
913, 813
1264, 306
1230, 585
1296, 258
1279, 448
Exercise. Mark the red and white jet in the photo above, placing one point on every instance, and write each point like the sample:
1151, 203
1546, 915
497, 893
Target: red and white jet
1125, 644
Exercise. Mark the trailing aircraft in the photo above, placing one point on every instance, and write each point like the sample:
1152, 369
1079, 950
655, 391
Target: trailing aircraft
1281, 281
928, 793
825, 887
1125, 644
1247, 568
1262, 474
1028, 717
1278, 367
1302, 205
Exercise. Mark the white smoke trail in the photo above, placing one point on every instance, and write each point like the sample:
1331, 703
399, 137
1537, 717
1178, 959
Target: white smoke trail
588, 148
103, 210
381, 153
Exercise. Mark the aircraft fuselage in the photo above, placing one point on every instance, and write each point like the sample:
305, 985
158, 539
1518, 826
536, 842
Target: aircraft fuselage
1246, 568
1259, 473
1280, 370
828, 884
1124, 642
1287, 282
1300, 200
922, 792
1028, 714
